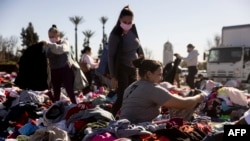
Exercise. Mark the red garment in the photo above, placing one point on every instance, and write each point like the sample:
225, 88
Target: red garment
187, 128
79, 124
173, 92
77, 108
173, 122
21, 121
153, 137
1, 80
13, 135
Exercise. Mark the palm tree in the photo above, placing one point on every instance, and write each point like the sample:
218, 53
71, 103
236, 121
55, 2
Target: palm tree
76, 20
103, 20
88, 34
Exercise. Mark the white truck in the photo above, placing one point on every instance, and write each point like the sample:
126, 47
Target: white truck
231, 60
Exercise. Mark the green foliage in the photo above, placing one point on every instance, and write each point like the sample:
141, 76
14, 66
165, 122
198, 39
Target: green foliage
76, 20
28, 36
8, 49
88, 34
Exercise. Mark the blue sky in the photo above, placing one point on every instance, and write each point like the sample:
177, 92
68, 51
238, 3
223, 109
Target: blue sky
157, 21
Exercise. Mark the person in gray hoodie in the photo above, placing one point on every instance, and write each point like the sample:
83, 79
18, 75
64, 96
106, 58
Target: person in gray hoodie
124, 47
59, 56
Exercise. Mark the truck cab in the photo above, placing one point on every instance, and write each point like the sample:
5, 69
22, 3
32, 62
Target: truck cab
231, 60
225, 63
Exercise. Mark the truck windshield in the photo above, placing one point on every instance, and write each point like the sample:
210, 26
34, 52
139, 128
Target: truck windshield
219, 55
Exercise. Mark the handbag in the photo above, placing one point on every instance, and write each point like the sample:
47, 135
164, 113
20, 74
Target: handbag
80, 80
84, 66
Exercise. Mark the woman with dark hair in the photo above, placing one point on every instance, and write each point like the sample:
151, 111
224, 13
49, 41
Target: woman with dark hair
88, 64
59, 55
124, 47
144, 98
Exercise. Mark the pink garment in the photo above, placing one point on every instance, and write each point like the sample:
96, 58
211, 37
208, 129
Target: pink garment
210, 84
103, 137
236, 96
123, 139
167, 85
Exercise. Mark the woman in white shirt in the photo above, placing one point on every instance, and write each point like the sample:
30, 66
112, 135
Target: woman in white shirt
88, 64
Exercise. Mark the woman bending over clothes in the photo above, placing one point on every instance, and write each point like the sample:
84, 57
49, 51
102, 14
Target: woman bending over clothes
143, 99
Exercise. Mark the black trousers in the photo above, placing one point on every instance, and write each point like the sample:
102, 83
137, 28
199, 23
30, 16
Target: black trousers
125, 77
192, 71
63, 77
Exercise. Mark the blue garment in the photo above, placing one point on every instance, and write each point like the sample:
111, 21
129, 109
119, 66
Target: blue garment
103, 66
27, 129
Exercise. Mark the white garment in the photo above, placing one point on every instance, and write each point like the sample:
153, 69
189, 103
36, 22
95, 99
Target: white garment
167, 85
210, 84
170, 87
90, 61
234, 94
192, 58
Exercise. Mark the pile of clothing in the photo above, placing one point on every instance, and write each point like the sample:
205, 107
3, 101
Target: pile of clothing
29, 115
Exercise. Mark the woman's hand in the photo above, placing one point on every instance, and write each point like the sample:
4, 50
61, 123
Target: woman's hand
114, 83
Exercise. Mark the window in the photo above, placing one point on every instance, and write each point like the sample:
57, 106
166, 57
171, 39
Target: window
219, 55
